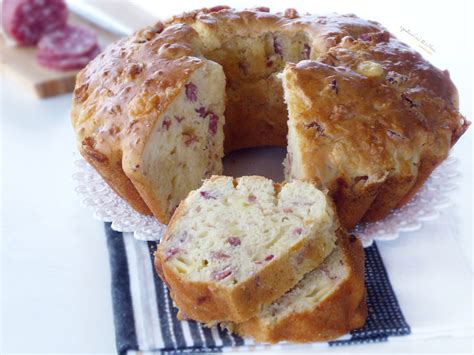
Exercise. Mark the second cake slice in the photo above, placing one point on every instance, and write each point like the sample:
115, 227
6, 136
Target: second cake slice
327, 303
235, 245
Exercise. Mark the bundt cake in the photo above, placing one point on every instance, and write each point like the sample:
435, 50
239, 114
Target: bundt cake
327, 303
234, 245
369, 118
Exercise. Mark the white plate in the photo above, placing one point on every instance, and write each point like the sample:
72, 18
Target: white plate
107, 206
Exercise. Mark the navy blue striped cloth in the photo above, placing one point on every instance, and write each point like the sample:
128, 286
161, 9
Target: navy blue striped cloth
145, 319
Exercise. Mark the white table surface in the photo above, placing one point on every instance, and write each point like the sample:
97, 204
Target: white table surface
55, 280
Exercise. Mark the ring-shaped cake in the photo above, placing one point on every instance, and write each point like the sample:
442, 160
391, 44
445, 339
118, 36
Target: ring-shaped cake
362, 114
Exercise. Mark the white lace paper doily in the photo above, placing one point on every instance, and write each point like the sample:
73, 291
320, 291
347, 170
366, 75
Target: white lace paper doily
107, 206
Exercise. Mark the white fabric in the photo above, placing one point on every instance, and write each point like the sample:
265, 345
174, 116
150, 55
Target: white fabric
432, 280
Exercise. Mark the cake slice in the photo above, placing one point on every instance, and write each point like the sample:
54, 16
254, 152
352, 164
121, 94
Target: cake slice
235, 245
327, 303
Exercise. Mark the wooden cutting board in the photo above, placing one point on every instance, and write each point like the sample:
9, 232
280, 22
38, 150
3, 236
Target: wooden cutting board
20, 64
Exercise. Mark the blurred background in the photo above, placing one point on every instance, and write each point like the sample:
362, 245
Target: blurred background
55, 286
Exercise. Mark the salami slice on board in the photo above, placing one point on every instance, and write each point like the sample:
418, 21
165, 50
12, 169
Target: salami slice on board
68, 63
26, 21
73, 41
68, 49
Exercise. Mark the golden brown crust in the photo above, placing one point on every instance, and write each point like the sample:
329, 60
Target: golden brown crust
353, 201
343, 310
389, 196
210, 302
114, 175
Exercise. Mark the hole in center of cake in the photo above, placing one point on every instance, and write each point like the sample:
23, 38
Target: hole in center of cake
262, 161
